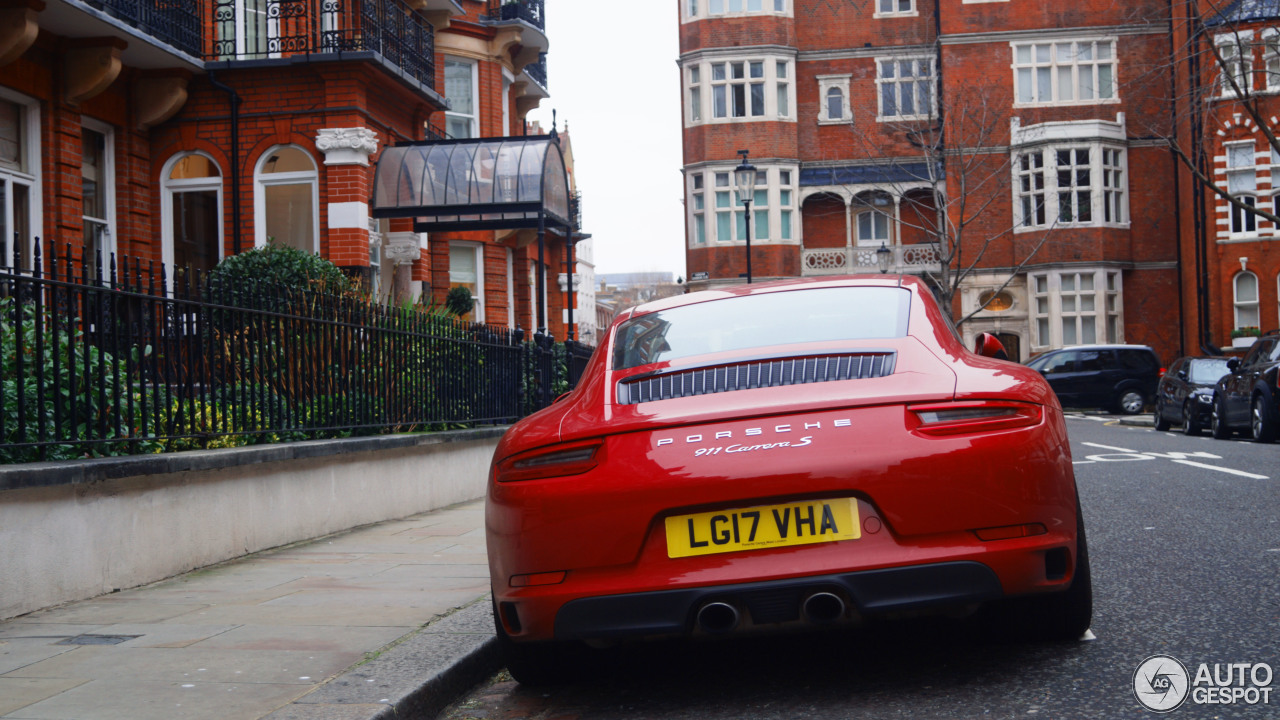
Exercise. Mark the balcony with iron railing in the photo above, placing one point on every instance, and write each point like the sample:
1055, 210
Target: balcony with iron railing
172, 24
537, 71
262, 30
907, 259
530, 11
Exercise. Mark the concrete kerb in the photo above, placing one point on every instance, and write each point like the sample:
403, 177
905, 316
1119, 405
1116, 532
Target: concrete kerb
416, 676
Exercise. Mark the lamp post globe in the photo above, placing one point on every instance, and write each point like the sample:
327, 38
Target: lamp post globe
884, 258
745, 177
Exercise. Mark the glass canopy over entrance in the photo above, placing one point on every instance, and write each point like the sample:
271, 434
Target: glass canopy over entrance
474, 184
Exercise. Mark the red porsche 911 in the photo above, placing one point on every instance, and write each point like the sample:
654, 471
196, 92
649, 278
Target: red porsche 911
777, 456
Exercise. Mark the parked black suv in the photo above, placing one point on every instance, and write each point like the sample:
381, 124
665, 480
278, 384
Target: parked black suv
1116, 377
1185, 394
1247, 399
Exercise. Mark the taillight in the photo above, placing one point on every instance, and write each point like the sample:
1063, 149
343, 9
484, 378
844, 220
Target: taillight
955, 418
554, 461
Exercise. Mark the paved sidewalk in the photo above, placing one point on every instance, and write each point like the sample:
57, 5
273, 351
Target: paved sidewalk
328, 629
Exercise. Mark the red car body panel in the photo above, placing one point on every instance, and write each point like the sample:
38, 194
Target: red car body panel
921, 494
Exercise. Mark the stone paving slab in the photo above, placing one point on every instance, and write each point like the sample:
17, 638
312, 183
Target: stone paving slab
380, 622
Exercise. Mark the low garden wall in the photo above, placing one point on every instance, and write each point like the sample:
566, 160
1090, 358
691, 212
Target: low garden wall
78, 529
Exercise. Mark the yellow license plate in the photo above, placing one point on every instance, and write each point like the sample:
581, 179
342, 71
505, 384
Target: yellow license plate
765, 526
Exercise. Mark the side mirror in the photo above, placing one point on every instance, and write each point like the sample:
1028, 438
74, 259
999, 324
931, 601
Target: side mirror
1233, 364
987, 345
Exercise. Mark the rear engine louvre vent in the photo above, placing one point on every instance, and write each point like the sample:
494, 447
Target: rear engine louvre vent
764, 373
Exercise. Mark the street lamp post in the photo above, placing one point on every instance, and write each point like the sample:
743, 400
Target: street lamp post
745, 175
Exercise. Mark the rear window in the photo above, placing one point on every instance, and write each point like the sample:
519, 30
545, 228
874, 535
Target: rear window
1207, 371
757, 321
1138, 360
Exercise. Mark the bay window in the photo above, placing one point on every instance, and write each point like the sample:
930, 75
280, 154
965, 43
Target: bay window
19, 178
744, 89
1074, 184
1075, 307
716, 214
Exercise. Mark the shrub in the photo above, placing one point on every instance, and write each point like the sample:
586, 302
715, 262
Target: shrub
243, 279
1250, 331
459, 301
94, 413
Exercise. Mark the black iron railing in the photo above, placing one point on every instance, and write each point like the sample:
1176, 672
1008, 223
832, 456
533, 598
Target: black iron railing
126, 359
176, 22
538, 71
530, 11
265, 29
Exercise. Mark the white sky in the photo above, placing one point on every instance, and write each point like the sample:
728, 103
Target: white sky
617, 86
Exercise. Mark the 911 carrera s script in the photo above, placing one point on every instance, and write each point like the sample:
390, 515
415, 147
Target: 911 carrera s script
738, 448
763, 526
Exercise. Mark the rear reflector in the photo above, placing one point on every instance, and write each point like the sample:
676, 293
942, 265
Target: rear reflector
544, 578
1010, 531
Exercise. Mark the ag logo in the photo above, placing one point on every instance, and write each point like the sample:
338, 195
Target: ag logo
1161, 683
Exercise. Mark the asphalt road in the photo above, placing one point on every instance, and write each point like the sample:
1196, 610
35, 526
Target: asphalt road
1184, 535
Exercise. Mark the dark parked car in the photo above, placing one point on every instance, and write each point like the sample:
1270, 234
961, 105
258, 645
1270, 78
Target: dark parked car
1246, 399
1185, 393
1122, 378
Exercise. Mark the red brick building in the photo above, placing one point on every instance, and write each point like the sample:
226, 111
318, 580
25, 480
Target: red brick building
1010, 152
184, 131
1228, 80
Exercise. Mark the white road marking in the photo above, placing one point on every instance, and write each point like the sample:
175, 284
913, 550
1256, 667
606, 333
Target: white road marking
1241, 473
1088, 635
1109, 447
1083, 462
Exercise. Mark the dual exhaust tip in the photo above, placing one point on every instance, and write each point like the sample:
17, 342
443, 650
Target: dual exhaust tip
717, 618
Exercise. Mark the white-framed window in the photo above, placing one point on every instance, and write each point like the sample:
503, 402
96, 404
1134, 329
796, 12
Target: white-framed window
97, 189
1076, 307
698, 210
1030, 184
906, 88
287, 199
191, 212
1072, 184
1067, 72
466, 269
1245, 298
1242, 183
462, 120
250, 29
716, 213
511, 288
895, 8
1236, 63
872, 227
20, 210
744, 89
694, 99
786, 205
507, 80
698, 9
1271, 59
1113, 186
833, 93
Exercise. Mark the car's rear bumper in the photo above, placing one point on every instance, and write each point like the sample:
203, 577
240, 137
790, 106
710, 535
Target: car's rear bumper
672, 612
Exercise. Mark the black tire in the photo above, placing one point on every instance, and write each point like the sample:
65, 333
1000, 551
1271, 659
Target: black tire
1067, 615
1057, 617
538, 664
1162, 423
1190, 420
1261, 421
1218, 424
1129, 402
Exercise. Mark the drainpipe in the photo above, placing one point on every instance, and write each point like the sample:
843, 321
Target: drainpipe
1177, 185
1199, 196
234, 98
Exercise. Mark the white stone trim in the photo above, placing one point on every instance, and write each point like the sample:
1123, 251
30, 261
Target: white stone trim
347, 146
